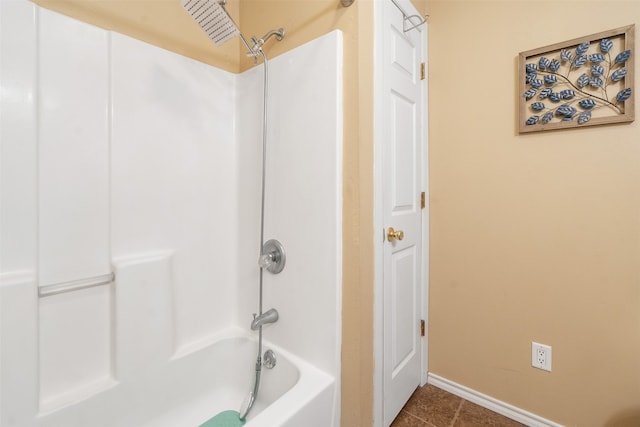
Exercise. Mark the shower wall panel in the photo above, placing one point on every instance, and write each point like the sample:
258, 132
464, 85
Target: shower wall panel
18, 155
18, 215
116, 155
303, 208
73, 149
73, 206
172, 153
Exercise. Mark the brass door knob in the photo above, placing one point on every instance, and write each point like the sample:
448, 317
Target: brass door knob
394, 234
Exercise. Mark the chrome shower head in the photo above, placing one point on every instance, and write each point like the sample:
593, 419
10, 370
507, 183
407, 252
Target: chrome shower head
216, 22
213, 18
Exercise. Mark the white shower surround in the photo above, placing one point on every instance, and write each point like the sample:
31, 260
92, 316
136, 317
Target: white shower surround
120, 155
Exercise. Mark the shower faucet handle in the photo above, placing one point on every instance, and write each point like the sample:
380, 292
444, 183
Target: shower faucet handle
266, 260
273, 257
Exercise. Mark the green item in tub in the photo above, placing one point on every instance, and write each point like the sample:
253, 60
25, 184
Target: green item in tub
225, 419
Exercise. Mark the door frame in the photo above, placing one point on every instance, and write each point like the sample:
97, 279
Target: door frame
378, 225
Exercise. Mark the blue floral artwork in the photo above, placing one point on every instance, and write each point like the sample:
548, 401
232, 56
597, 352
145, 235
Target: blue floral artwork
582, 82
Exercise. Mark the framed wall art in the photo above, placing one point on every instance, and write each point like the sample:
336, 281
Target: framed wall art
581, 82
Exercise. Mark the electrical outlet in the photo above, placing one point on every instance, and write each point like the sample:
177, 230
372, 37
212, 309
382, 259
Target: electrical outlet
541, 356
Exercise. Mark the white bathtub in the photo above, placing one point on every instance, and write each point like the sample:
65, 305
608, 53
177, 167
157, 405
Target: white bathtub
191, 389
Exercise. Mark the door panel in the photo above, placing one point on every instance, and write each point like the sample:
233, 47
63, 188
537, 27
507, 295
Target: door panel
402, 175
403, 295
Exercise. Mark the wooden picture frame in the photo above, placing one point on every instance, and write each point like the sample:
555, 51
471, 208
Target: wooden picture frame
581, 82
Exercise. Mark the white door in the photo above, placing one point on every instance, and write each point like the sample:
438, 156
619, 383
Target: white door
402, 168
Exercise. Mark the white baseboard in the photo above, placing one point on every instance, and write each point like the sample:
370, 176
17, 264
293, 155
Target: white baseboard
489, 402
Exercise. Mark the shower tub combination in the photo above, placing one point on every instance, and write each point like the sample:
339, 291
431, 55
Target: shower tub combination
168, 339
192, 389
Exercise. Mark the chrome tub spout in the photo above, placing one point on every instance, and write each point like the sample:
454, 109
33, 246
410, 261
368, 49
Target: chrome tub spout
269, 316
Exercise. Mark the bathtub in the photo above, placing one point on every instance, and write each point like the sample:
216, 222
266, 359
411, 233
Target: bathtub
192, 388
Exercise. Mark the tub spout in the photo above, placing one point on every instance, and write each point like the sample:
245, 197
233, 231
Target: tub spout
269, 316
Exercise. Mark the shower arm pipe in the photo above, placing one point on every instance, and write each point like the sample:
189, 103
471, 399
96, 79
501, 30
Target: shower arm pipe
258, 43
279, 33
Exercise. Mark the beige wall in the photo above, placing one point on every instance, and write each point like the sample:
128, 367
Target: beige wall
533, 237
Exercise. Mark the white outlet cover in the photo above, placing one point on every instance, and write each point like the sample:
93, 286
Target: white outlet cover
541, 356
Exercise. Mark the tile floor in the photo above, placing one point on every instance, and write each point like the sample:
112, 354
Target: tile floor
430, 406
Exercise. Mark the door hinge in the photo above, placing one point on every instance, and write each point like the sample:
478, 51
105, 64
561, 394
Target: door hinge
421, 328
423, 201
422, 71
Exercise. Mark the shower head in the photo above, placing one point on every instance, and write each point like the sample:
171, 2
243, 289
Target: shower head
213, 18
216, 22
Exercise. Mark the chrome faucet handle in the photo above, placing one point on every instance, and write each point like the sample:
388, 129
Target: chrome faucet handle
273, 257
266, 260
